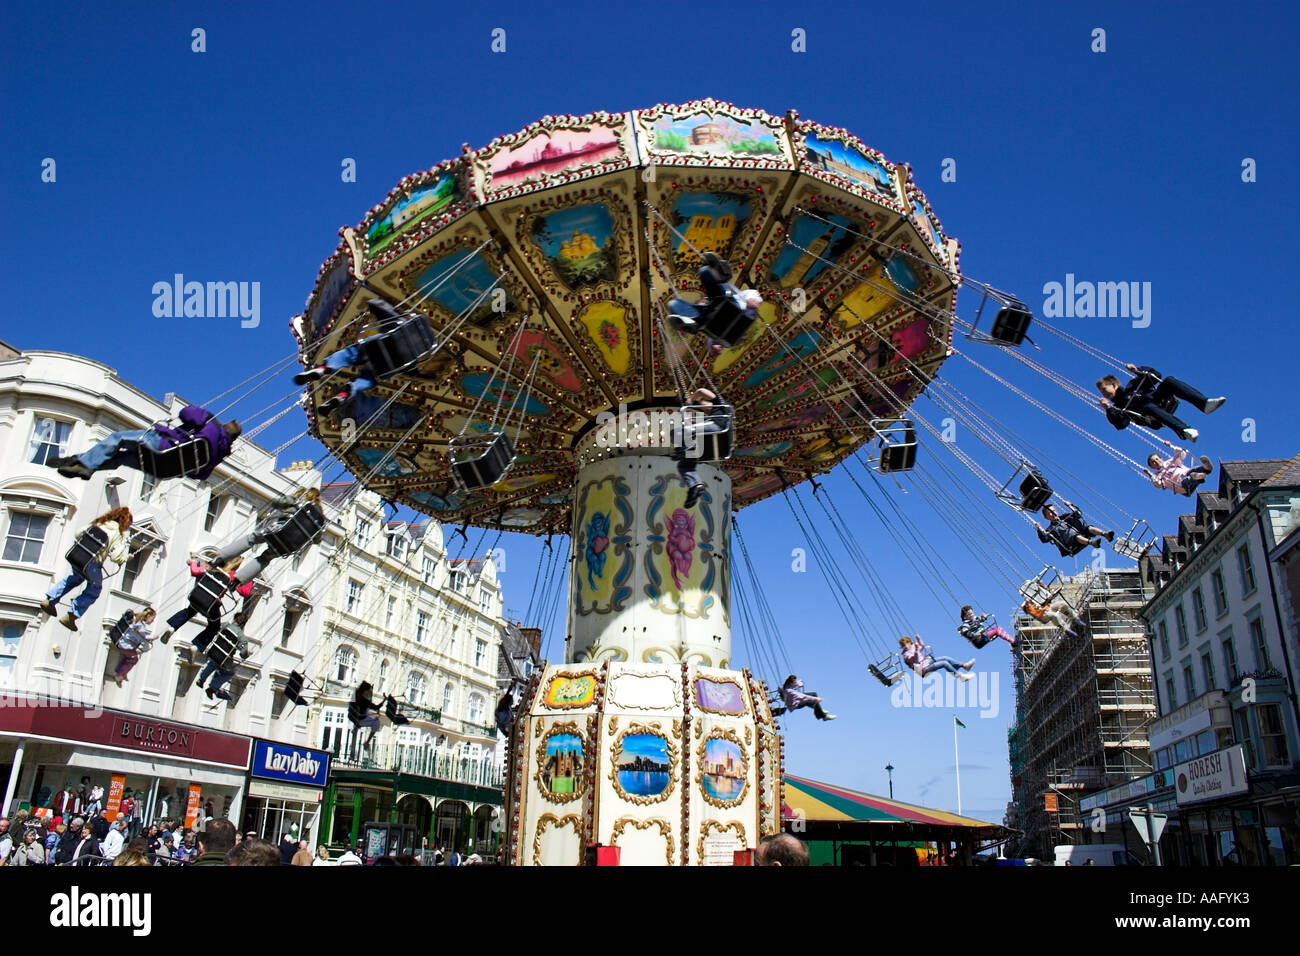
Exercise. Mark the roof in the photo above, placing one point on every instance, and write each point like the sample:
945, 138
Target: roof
1288, 474
335, 491
1256, 470
514, 647
1209, 501
817, 802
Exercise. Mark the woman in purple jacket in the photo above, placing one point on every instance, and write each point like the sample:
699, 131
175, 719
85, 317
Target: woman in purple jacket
793, 697
122, 449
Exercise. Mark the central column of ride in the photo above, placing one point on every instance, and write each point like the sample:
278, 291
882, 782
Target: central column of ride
644, 739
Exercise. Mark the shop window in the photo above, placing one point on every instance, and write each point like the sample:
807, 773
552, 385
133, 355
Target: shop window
25, 537
49, 440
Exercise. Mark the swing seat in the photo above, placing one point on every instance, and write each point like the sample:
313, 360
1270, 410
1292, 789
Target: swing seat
722, 319
712, 446
897, 444
398, 345
480, 461
221, 650
1043, 589
1139, 540
293, 688
1034, 491
90, 544
185, 460
1010, 323
208, 591
296, 531
889, 671
395, 716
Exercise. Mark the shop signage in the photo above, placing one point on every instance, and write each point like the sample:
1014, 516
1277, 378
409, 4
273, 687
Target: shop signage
1216, 775
192, 806
116, 785
301, 765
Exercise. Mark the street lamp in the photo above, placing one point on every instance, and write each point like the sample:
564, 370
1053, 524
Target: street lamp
889, 769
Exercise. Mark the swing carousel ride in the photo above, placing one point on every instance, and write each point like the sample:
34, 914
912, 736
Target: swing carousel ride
530, 384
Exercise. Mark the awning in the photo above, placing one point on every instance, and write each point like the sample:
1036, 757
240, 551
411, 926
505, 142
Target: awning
814, 802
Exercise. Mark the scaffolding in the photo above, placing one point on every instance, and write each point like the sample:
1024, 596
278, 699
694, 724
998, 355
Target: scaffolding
1084, 702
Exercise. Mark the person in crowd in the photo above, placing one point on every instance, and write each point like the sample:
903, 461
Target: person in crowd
188, 849
115, 842
303, 857
165, 850
781, 849
1174, 474
277, 510
131, 856
68, 840
177, 620
96, 802
1052, 614
323, 857
715, 280
217, 840
364, 712
349, 857
793, 698
1149, 399
977, 630
99, 824
1070, 532
222, 674
253, 852
920, 658
122, 449
115, 524
6, 839
713, 423
53, 838
28, 853
351, 356
134, 641
86, 845
288, 847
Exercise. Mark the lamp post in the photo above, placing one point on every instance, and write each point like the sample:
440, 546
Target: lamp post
889, 769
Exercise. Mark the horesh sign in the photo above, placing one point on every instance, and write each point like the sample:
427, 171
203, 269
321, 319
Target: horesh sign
290, 764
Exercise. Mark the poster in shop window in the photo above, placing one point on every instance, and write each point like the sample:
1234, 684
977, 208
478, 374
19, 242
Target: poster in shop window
192, 806
115, 787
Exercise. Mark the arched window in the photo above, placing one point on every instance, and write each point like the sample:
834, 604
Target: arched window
383, 676
448, 697
416, 685
345, 664
476, 708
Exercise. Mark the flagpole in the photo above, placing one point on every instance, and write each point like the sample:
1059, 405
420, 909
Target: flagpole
957, 762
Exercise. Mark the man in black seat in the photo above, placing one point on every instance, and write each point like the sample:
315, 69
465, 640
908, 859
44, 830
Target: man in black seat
1069, 532
1149, 400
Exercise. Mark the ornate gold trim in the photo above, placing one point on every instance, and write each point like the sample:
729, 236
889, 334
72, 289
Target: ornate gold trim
721, 828
612, 701
579, 786
670, 748
664, 827
558, 822
593, 676
744, 710
730, 736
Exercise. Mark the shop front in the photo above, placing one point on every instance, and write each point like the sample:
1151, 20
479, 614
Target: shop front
58, 756
286, 788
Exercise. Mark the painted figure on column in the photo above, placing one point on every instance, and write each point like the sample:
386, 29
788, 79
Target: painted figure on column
597, 545
680, 545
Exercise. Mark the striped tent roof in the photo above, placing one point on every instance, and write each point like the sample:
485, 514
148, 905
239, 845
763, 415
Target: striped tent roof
814, 801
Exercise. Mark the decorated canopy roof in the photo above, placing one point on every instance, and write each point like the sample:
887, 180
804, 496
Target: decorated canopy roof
817, 802
553, 226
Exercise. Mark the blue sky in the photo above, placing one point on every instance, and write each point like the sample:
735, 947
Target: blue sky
1116, 166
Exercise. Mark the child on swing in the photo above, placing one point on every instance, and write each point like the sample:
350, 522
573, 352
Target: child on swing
975, 630
1174, 474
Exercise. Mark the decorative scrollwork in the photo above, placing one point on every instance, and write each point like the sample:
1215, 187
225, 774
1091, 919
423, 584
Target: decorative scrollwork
664, 827
550, 819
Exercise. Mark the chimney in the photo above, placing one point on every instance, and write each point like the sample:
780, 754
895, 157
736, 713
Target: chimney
533, 635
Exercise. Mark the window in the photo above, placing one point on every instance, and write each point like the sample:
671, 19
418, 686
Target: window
451, 641
1272, 736
292, 615
361, 533
484, 598
1220, 592
1189, 682
1180, 624
11, 633
397, 545
1164, 641
383, 676
456, 580
476, 708
416, 684
480, 651
388, 614
1198, 609
355, 588
49, 440
421, 627
135, 566
147, 484
336, 736
1230, 658
278, 701
25, 537
1207, 671
1260, 641
1247, 569
345, 665
1171, 693
215, 504
427, 567
448, 697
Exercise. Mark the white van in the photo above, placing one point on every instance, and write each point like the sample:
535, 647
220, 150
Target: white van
1101, 854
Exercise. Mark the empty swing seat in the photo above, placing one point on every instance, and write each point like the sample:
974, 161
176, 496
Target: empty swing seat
293, 688
1136, 543
180, 461
221, 650
395, 716
480, 461
296, 531
208, 590
722, 319
1011, 323
398, 345
889, 671
1034, 491
711, 445
897, 444
90, 544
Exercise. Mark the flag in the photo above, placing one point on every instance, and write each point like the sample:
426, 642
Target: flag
958, 722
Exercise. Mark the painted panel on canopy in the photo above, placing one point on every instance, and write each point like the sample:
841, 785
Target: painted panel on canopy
409, 210
398, 415
708, 134
606, 324
552, 152
764, 451
552, 363
839, 159
802, 345
680, 567
799, 419
516, 482
912, 339
334, 287
604, 562
799, 389
502, 393
879, 293
467, 276
758, 485
438, 503
521, 517
578, 243
925, 223
398, 465
724, 770
824, 241
757, 334
709, 221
